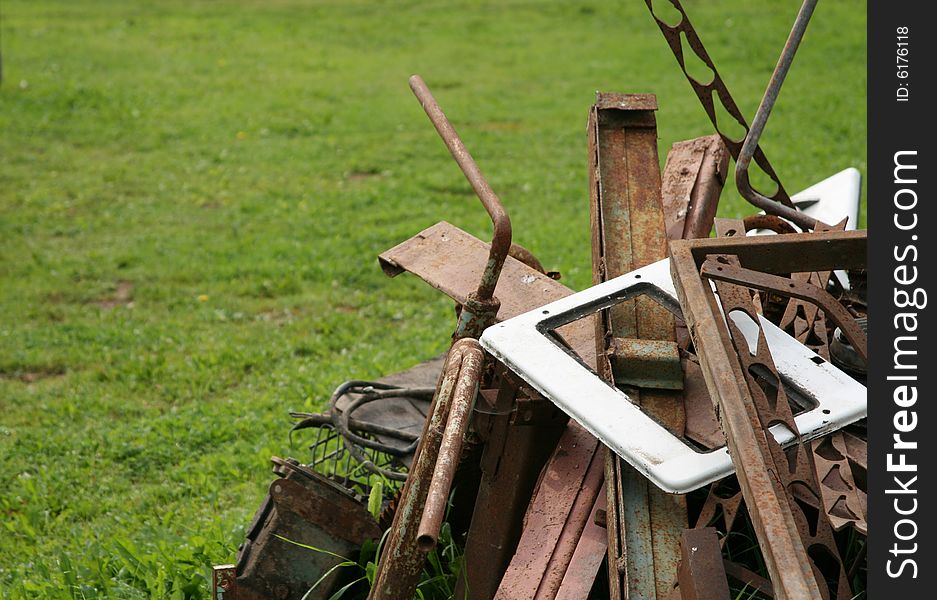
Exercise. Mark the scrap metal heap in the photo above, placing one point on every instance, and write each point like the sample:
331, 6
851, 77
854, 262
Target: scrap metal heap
690, 427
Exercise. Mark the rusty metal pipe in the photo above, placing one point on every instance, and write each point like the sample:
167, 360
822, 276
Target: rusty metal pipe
750, 145
501, 240
401, 562
450, 450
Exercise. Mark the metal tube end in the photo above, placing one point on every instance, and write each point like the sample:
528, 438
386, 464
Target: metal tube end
426, 542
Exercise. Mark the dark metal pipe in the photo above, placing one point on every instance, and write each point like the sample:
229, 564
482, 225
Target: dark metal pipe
460, 410
750, 145
501, 240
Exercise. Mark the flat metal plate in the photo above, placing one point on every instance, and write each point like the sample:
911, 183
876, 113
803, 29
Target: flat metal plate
526, 344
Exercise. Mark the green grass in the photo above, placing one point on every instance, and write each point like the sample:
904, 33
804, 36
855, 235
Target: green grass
193, 194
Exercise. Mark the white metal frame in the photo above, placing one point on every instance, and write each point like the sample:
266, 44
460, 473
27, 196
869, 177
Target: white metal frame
526, 346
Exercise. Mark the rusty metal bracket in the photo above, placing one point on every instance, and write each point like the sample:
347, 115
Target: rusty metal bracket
719, 270
646, 363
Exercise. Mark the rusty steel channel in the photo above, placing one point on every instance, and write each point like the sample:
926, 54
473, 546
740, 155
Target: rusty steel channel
629, 232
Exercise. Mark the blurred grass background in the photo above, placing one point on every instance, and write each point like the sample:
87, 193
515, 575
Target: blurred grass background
193, 195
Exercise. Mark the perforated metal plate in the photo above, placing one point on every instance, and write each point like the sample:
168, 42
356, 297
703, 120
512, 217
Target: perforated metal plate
527, 345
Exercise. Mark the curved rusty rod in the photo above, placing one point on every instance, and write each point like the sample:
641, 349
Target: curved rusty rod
501, 240
742, 182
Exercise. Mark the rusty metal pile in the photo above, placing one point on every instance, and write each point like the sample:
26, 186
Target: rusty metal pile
690, 427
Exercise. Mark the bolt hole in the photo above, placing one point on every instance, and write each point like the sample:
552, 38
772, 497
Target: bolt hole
826, 411
818, 359
546, 312
730, 233
637, 277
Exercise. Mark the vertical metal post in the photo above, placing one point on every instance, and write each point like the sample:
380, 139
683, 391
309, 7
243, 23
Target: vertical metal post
628, 232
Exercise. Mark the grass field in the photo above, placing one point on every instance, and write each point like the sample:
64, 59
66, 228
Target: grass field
193, 194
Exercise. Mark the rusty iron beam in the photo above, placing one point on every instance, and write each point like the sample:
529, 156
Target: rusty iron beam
785, 556
783, 254
691, 184
701, 575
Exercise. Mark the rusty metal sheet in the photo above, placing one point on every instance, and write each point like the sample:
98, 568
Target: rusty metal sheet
569, 544
554, 517
305, 508
702, 426
691, 184
452, 261
587, 559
